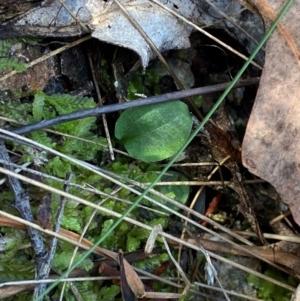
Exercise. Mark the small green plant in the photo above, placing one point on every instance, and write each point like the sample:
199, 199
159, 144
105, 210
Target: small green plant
269, 291
44, 107
7, 63
154, 132
146, 84
180, 193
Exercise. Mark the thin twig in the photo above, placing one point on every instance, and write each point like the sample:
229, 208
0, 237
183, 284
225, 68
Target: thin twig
111, 177
130, 104
142, 225
90, 188
53, 244
206, 33
65, 135
106, 175
168, 236
23, 206
107, 134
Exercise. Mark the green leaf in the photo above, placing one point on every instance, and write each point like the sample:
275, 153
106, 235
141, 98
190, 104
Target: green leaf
110, 241
37, 107
71, 223
151, 263
11, 63
42, 137
135, 237
5, 46
109, 293
11, 272
58, 167
269, 291
179, 193
133, 243
61, 260
154, 132
65, 103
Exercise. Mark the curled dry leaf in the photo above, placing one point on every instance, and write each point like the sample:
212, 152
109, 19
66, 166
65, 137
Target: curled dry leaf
152, 238
44, 212
271, 145
130, 281
127, 293
107, 23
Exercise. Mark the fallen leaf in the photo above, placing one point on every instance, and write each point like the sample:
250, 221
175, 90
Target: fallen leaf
127, 293
152, 239
271, 147
131, 284
109, 24
43, 214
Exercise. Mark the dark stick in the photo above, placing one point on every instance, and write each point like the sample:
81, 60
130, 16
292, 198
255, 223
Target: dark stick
53, 244
23, 206
131, 104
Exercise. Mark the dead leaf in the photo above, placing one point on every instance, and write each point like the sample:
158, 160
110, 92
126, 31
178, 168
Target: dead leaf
127, 292
271, 147
133, 280
109, 24
151, 239
43, 214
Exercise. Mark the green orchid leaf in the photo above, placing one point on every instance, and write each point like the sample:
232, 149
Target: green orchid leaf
154, 132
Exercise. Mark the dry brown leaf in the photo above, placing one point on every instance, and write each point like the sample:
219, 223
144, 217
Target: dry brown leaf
127, 293
43, 214
131, 276
271, 147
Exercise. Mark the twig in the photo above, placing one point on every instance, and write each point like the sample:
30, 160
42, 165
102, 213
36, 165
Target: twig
96, 170
107, 134
85, 187
126, 105
23, 206
110, 176
87, 245
205, 33
59, 215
